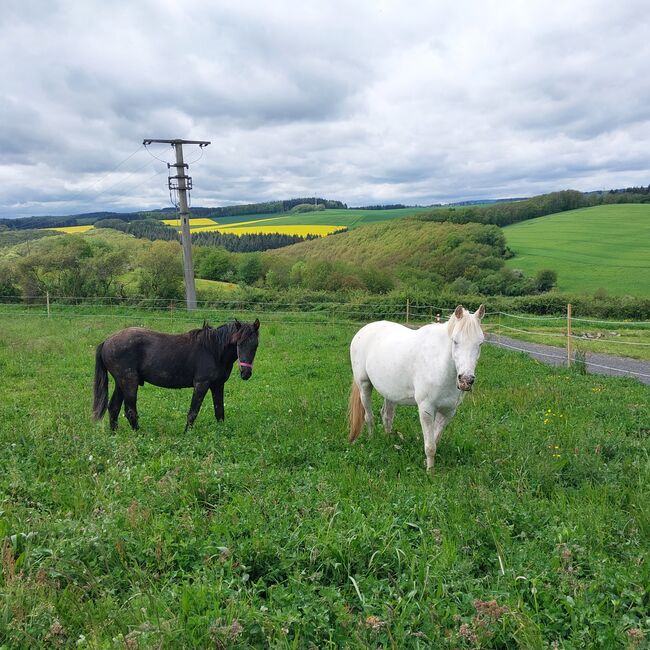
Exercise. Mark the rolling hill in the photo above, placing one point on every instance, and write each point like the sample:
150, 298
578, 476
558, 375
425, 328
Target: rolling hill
446, 250
603, 247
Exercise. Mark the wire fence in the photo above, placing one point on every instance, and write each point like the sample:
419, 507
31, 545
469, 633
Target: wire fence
631, 337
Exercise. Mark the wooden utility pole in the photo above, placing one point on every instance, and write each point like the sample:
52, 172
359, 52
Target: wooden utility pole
182, 183
568, 335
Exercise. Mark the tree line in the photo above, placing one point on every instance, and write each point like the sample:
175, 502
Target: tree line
247, 243
504, 214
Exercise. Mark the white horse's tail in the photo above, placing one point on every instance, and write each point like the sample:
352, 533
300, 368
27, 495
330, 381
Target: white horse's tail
356, 412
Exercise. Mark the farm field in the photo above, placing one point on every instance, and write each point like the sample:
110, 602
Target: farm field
320, 223
337, 217
269, 530
71, 230
606, 247
314, 223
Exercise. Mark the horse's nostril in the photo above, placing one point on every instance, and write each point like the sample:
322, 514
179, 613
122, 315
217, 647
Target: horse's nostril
470, 380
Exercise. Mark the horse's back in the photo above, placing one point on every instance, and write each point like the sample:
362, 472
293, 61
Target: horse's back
383, 353
381, 333
156, 357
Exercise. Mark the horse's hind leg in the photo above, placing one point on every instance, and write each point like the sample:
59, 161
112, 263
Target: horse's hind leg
365, 392
114, 406
129, 389
387, 415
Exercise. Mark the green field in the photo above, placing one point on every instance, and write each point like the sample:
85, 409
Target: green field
269, 530
604, 247
347, 218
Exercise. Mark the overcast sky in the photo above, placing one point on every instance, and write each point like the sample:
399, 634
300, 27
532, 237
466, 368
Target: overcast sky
364, 102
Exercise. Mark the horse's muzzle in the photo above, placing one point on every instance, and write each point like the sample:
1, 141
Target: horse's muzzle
245, 373
465, 382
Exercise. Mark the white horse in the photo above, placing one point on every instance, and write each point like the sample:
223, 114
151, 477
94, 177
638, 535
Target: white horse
432, 367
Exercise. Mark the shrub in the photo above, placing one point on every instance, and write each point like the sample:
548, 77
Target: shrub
545, 279
161, 271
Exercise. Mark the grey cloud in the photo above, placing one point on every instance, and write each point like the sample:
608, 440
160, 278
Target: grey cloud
364, 103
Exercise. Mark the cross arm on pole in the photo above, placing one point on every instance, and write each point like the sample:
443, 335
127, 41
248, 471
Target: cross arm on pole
201, 143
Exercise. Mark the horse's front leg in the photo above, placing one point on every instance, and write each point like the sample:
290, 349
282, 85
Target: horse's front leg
387, 415
439, 424
427, 419
200, 389
217, 400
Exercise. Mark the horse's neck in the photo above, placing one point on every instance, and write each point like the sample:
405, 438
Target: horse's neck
439, 349
222, 347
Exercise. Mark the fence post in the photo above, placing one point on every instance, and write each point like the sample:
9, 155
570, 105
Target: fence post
47, 302
408, 309
568, 335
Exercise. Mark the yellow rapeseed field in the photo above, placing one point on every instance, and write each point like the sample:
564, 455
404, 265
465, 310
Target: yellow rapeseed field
71, 229
302, 230
193, 222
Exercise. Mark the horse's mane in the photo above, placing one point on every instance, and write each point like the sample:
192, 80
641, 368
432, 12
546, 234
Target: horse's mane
217, 339
464, 326
212, 337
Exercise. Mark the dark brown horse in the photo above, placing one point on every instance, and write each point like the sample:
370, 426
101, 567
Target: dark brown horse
202, 359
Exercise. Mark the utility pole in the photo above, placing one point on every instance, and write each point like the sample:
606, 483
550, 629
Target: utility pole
183, 183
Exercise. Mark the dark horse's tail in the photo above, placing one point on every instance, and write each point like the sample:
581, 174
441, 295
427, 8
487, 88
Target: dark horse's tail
100, 386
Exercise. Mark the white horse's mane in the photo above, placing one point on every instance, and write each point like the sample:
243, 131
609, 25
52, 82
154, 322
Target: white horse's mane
467, 325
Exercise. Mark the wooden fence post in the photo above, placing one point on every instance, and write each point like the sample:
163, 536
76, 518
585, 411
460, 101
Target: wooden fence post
568, 335
47, 302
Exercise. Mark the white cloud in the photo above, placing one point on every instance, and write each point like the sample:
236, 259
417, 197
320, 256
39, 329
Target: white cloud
364, 102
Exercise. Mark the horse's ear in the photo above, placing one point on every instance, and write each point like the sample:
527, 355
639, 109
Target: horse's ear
237, 325
256, 324
205, 324
458, 313
480, 312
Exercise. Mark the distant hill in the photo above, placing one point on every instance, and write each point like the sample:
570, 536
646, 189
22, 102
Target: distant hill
604, 247
407, 249
268, 207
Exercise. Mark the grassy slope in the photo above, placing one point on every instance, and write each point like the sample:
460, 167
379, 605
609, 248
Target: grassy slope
383, 245
270, 530
606, 246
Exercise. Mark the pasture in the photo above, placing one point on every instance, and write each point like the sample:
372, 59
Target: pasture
604, 247
270, 530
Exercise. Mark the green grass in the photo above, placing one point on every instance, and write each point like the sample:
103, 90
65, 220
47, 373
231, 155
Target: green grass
605, 247
347, 218
269, 530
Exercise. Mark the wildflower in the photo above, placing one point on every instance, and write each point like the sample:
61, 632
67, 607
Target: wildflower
467, 632
635, 636
375, 623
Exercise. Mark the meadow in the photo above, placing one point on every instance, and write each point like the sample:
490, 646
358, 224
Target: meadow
605, 247
270, 530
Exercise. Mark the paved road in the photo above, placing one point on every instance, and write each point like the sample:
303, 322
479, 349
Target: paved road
604, 364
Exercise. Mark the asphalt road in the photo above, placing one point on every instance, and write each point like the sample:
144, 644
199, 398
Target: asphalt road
603, 364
